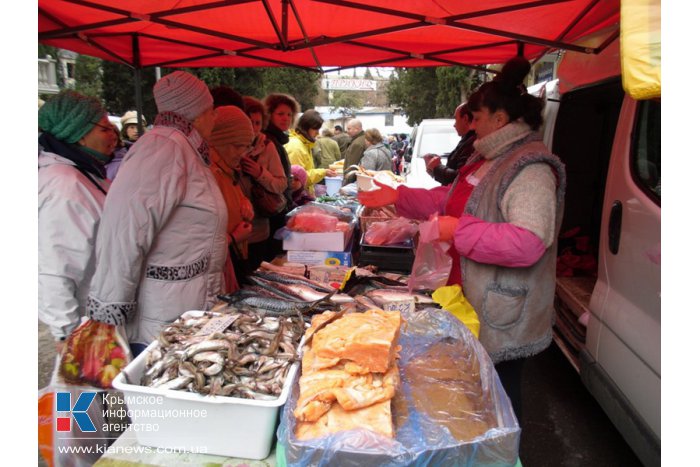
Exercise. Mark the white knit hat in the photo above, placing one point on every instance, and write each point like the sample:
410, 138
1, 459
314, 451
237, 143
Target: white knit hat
182, 93
131, 117
232, 127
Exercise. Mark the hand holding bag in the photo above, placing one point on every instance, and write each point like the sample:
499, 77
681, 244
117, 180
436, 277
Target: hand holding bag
266, 203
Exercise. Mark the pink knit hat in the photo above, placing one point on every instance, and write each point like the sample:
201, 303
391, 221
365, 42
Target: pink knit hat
300, 173
182, 93
232, 126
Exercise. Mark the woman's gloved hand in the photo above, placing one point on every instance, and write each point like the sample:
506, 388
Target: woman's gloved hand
384, 196
251, 167
258, 147
447, 226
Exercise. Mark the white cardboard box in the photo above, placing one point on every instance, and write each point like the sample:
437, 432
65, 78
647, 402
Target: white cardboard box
322, 241
180, 420
328, 258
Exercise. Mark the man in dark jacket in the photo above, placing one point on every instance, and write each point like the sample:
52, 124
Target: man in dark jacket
342, 138
354, 151
445, 174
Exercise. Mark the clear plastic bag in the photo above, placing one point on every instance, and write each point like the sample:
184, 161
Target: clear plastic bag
433, 263
320, 218
343, 213
450, 408
390, 232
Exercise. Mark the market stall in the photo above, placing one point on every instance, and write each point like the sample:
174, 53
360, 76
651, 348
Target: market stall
264, 379
198, 34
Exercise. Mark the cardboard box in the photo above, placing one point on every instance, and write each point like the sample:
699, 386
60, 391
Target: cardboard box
328, 258
323, 241
179, 420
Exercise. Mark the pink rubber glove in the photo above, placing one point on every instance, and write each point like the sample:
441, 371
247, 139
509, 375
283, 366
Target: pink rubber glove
384, 196
447, 226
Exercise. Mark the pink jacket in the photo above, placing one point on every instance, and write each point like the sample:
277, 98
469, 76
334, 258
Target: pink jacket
502, 244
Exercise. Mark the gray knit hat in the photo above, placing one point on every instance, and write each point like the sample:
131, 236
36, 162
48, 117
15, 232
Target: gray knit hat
182, 93
232, 127
70, 115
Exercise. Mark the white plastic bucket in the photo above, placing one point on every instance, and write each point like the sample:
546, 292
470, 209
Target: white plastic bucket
333, 185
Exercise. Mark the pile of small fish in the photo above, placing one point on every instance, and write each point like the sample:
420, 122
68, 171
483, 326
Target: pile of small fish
248, 354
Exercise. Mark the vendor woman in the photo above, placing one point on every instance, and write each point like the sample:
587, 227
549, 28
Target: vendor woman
502, 214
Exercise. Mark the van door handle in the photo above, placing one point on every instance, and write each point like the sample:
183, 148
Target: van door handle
615, 227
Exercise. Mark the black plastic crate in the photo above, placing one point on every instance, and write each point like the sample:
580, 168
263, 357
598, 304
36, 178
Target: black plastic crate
392, 258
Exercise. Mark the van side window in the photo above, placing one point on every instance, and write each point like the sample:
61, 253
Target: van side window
646, 159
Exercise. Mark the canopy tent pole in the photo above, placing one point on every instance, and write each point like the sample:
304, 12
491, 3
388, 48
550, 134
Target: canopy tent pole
285, 23
137, 82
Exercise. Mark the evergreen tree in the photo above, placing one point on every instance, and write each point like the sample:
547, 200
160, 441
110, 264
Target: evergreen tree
301, 84
414, 89
119, 93
88, 76
431, 92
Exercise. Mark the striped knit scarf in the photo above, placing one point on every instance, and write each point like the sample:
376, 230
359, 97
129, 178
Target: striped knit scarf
180, 123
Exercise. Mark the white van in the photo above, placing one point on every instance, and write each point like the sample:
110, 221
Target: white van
608, 318
432, 136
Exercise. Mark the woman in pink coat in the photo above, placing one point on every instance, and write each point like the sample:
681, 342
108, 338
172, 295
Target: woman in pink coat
502, 215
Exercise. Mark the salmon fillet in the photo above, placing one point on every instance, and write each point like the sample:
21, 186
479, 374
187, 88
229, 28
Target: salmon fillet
376, 418
349, 374
367, 339
318, 390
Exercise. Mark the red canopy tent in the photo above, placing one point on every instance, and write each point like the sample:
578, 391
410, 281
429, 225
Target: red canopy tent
315, 33
312, 34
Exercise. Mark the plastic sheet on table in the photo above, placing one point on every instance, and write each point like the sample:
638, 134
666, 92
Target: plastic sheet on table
450, 409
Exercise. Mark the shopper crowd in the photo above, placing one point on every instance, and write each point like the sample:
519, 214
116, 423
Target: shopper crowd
194, 202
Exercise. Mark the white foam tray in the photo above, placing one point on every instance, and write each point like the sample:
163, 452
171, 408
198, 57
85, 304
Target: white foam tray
226, 426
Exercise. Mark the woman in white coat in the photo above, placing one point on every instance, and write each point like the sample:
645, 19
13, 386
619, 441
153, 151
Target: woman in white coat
76, 142
162, 242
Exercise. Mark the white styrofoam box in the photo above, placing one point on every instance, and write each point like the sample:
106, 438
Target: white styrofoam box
180, 420
328, 258
333, 184
316, 241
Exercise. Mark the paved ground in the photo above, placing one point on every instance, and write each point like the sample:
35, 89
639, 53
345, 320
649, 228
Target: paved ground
47, 356
563, 426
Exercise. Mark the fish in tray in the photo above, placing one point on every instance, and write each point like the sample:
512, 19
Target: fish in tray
238, 352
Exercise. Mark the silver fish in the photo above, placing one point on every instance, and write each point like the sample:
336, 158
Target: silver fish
384, 296
285, 278
204, 346
176, 383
